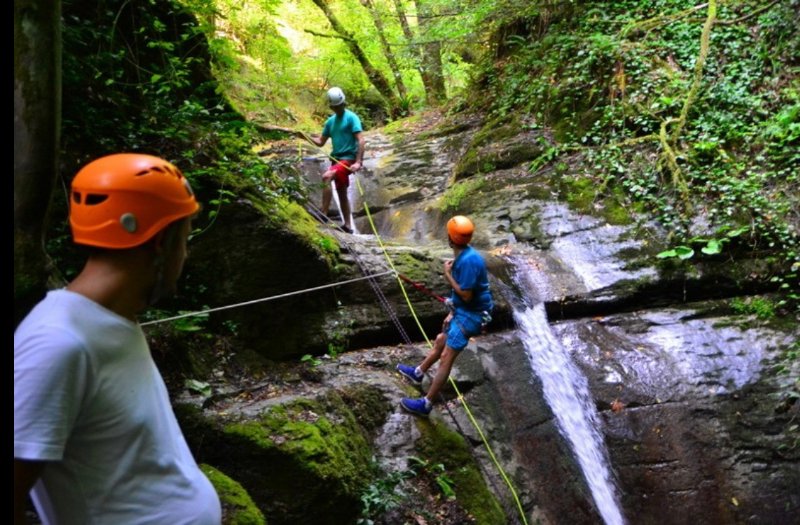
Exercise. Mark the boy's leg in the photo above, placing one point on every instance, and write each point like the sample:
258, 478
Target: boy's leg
442, 373
434, 354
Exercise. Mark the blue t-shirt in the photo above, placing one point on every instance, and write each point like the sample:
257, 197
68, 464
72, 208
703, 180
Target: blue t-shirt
341, 131
469, 271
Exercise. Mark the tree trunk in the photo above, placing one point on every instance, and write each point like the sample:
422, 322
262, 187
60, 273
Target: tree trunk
387, 50
431, 56
424, 73
374, 75
37, 123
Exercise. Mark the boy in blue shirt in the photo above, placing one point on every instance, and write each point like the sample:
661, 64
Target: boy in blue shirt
471, 305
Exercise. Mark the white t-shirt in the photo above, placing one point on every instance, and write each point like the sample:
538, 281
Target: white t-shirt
89, 399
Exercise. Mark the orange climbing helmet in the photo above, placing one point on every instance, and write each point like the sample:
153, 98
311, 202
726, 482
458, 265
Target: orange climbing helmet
460, 230
122, 200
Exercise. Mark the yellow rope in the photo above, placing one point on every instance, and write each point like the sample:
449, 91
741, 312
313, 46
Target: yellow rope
428, 341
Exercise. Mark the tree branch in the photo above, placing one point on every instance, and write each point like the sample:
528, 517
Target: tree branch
326, 35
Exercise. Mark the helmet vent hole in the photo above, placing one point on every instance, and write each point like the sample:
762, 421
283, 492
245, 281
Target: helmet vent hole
128, 222
94, 199
76, 196
143, 172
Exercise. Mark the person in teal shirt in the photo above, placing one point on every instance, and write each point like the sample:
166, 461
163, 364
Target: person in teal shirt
345, 131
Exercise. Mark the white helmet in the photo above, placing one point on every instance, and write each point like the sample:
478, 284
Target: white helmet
335, 96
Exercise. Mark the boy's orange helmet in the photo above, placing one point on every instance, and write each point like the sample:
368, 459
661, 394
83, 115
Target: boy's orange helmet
460, 230
122, 200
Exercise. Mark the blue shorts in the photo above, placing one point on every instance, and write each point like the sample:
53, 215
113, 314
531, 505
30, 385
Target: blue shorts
463, 325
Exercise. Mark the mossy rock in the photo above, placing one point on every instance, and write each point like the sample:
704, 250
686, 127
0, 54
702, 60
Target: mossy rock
304, 461
238, 507
369, 406
439, 444
271, 248
497, 157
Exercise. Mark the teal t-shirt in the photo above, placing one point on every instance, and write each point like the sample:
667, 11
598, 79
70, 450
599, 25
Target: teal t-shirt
341, 130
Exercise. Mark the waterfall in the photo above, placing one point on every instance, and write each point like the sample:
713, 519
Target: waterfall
566, 391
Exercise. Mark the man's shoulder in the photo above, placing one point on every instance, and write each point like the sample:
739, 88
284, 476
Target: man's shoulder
474, 256
352, 115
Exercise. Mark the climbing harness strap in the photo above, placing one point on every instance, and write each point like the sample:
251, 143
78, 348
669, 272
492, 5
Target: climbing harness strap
422, 288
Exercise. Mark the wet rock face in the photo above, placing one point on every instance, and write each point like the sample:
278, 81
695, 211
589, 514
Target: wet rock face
683, 391
690, 421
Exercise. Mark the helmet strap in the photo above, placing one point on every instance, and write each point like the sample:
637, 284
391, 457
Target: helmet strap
157, 289
161, 247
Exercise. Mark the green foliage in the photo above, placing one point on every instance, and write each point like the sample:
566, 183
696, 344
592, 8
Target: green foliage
311, 360
630, 70
382, 494
437, 472
762, 308
193, 323
137, 77
198, 387
339, 334
713, 246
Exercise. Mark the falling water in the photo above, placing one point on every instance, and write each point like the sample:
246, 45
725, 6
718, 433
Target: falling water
566, 391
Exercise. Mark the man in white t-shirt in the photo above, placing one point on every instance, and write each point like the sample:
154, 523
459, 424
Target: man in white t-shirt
95, 437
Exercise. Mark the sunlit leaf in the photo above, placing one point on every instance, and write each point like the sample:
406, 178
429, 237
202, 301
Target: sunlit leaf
712, 248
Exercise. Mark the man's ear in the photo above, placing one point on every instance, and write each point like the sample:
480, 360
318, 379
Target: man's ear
159, 241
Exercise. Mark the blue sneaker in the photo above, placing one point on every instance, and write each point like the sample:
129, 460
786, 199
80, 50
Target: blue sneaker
410, 373
418, 407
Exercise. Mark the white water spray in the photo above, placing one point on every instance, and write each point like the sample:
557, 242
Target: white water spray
566, 391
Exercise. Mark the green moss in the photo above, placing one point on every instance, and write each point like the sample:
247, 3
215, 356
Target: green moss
580, 192
455, 195
500, 156
497, 130
368, 405
447, 129
467, 165
412, 264
321, 437
283, 213
237, 506
613, 209
401, 125
439, 444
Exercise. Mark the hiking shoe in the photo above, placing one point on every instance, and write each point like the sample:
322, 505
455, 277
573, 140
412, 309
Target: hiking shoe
346, 229
410, 373
418, 407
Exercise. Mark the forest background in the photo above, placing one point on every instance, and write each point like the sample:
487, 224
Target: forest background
688, 112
